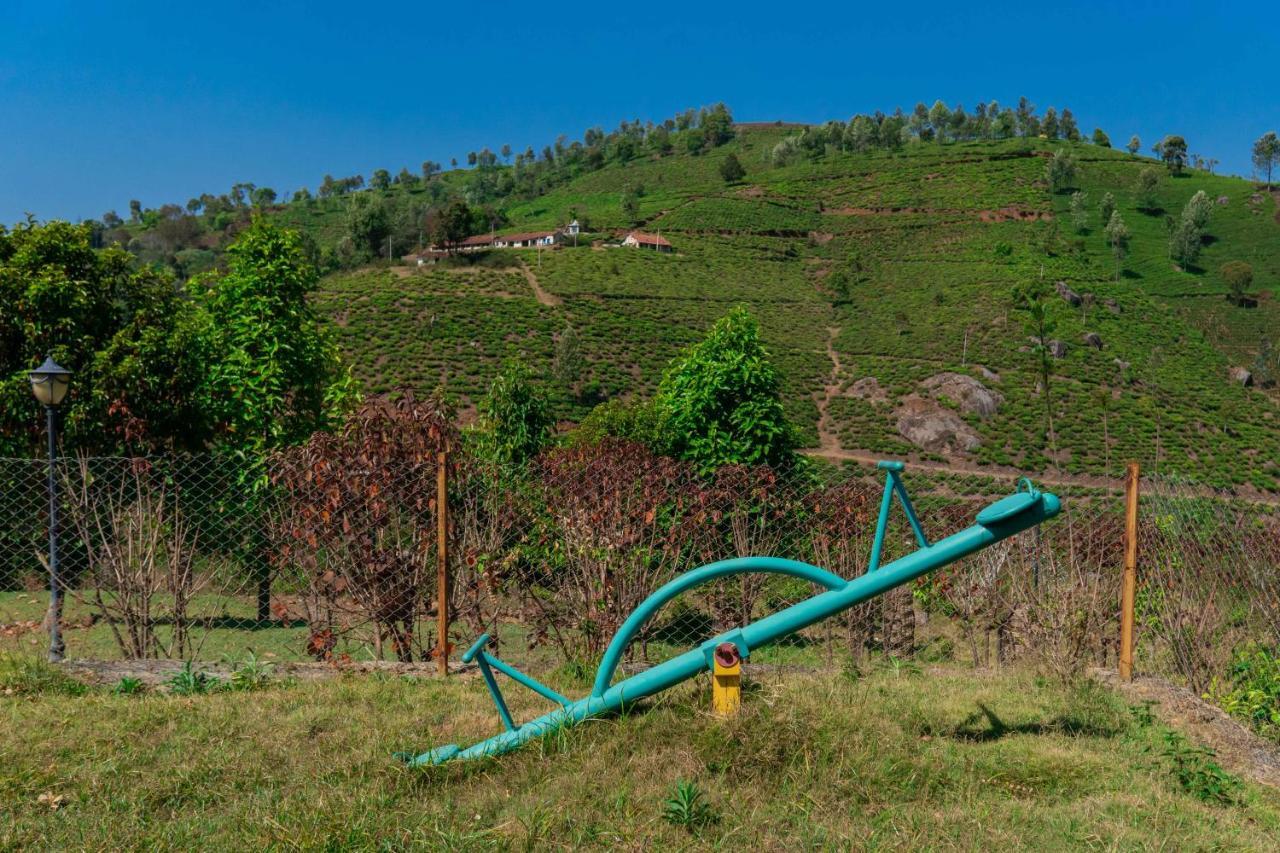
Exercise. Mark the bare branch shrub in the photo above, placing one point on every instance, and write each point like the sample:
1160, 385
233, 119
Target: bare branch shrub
140, 553
1063, 593
614, 506
840, 518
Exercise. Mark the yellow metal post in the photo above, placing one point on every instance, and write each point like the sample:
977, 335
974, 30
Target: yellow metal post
726, 680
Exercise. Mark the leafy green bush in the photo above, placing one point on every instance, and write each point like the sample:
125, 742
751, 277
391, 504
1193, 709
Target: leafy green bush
515, 417
721, 401
1197, 773
1251, 690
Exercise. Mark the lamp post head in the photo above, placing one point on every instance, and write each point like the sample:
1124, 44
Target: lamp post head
49, 382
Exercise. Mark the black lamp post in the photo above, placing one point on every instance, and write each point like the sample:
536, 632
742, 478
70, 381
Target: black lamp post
49, 385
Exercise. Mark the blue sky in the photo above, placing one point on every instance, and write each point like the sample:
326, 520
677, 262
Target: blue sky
104, 102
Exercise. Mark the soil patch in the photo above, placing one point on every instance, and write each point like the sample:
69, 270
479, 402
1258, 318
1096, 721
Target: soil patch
1239, 750
1003, 214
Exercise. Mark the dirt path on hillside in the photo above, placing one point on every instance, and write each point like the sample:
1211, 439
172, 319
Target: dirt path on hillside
543, 297
1008, 472
828, 440
959, 467
1239, 749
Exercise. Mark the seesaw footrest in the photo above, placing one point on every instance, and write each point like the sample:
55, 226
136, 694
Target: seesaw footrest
488, 663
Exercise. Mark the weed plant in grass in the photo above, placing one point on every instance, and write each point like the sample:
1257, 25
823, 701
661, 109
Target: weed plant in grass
942, 759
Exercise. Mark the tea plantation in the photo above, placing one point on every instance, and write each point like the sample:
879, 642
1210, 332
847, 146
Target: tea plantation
892, 265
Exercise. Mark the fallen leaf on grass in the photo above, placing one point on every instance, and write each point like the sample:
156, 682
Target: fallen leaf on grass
52, 800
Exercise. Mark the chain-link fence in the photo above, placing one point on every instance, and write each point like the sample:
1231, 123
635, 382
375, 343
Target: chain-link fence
303, 558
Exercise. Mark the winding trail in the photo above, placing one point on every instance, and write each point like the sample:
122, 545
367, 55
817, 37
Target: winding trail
543, 297
828, 440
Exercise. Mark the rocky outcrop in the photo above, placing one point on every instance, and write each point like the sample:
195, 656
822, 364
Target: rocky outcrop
867, 388
1111, 305
1056, 348
1070, 296
1241, 376
1093, 339
930, 426
969, 395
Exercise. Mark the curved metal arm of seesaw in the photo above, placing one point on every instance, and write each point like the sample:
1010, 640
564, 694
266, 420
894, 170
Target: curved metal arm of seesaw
1008, 516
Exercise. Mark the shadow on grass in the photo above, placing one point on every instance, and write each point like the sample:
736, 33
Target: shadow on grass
236, 623
984, 725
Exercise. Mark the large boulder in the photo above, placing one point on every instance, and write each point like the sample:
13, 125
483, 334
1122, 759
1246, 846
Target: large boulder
1241, 376
1093, 339
867, 388
970, 395
1056, 348
930, 426
1070, 296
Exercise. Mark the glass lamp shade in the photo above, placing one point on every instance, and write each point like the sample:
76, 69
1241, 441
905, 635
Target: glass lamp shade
49, 382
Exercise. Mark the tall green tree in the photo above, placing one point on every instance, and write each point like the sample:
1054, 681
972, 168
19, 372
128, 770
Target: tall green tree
1135, 144
1106, 208
630, 206
1173, 151
731, 169
1067, 123
1187, 238
1266, 154
1238, 276
1032, 298
368, 225
1061, 170
939, 120
275, 375
132, 340
716, 126
1117, 234
721, 400
1145, 191
1080, 212
450, 226
1100, 138
1049, 125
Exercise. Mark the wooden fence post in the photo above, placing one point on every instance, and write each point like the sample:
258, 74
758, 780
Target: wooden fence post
1129, 589
442, 563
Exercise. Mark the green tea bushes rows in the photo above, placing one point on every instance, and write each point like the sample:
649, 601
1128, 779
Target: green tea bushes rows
741, 216
718, 269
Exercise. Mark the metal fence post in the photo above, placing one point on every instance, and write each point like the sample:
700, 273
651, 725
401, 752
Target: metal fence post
1129, 588
442, 563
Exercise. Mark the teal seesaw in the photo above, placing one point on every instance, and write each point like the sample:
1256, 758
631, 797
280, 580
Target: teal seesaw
1020, 511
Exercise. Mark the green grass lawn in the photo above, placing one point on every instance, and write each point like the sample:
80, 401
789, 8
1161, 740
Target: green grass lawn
945, 760
225, 630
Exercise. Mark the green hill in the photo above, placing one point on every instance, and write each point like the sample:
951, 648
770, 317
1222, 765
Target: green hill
928, 241
871, 273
